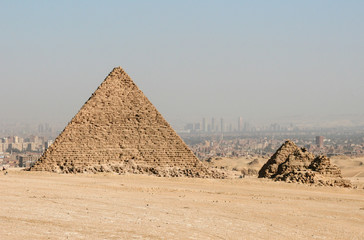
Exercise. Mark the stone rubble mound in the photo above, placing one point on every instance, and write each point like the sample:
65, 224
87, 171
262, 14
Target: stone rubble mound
293, 164
119, 130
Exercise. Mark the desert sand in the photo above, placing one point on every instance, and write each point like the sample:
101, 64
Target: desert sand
238, 163
350, 166
42, 205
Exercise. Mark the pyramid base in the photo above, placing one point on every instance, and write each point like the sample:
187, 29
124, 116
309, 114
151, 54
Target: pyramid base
313, 178
132, 168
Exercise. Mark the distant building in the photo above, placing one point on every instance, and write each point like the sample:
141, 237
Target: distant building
222, 128
203, 125
240, 124
197, 127
47, 144
189, 127
212, 124
15, 147
320, 141
208, 128
31, 146
27, 160
40, 128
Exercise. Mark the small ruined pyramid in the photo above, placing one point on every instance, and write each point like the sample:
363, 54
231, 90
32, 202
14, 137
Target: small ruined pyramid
119, 130
293, 164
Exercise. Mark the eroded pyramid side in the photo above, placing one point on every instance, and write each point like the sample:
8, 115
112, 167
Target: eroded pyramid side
293, 164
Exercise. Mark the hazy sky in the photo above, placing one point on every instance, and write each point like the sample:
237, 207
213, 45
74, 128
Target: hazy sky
256, 59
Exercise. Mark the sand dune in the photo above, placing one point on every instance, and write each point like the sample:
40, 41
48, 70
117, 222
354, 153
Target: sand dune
51, 206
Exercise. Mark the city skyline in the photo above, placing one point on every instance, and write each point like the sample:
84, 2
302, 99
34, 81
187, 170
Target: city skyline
231, 124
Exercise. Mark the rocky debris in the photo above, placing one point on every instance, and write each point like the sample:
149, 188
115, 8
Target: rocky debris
119, 130
293, 164
255, 162
130, 167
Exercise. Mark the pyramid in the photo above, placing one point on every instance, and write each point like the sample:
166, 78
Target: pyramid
293, 164
119, 130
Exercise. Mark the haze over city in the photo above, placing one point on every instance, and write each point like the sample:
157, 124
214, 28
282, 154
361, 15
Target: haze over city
193, 59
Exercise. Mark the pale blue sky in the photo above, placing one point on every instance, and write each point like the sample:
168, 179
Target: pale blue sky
256, 59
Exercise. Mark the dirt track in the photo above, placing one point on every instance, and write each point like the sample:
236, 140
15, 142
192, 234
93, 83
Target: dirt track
51, 206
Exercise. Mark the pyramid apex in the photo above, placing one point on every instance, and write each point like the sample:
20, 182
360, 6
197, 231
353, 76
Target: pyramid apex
117, 73
117, 70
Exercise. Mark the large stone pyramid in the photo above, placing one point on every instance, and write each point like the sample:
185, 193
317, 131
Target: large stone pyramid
119, 130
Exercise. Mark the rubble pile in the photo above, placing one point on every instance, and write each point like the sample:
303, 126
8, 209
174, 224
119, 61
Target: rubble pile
293, 164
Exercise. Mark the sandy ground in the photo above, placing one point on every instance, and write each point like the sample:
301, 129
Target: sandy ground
350, 166
52, 206
238, 163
